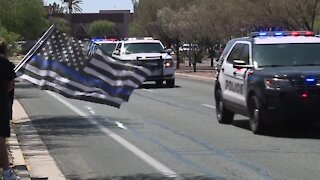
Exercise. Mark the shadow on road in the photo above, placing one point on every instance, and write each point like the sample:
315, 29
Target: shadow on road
55, 132
154, 86
69, 125
286, 129
24, 85
144, 177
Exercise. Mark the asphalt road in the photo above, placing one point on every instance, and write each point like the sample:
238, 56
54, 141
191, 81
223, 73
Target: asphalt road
162, 133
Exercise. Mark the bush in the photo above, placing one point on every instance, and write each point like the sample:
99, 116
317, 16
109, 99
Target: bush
102, 28
11, 38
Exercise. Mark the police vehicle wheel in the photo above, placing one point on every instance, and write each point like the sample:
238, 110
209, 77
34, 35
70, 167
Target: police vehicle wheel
170, 83
255, 111
224, 115
159, 83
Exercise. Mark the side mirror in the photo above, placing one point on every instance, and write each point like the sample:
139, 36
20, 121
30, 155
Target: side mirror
169, 51
238, 63
116, 52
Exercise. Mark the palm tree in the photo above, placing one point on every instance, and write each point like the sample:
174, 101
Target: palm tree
72, 6
56, 8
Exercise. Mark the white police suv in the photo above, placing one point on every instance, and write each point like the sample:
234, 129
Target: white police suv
150, 52
107, 46
268, 77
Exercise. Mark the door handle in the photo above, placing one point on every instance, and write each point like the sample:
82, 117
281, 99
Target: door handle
234, 73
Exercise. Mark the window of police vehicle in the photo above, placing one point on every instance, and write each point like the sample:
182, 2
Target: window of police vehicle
107, 46
132, 48
270, 76
302, 54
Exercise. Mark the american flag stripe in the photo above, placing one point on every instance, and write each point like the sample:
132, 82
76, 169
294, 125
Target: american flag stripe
70, 93
109, 80
121, 65
52, 77
64, 71
116, 74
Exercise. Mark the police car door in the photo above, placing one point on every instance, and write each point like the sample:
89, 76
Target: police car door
233, 86
117, 52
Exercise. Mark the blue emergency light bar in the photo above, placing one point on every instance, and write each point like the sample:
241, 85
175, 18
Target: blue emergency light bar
96, 40
102, 39
310, 79
282, 33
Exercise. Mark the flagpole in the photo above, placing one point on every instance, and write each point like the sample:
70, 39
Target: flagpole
34, 48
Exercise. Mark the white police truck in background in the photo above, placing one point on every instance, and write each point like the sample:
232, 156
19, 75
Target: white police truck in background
107, 46
150, 52
269, 77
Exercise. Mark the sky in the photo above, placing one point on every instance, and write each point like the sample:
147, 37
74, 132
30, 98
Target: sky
93, 6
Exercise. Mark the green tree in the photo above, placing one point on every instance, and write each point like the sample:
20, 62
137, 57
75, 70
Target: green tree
136, 30
173, 23
62, 24
31, 18
24, 17
146, 15
10, 37
56, 8
102, 28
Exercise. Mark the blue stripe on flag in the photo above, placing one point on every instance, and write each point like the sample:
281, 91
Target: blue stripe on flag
75, 75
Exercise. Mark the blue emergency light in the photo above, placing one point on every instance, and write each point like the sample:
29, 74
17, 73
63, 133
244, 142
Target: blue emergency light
278, 33
311, 81
263, 33
96, 39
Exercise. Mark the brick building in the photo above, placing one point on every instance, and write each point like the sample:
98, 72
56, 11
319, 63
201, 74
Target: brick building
80, 21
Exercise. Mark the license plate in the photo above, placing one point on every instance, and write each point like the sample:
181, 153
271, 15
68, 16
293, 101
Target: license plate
156, 72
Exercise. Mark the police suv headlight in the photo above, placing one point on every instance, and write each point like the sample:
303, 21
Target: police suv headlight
168, 63
277, 84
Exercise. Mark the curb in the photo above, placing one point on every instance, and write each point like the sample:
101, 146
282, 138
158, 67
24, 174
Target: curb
37, 162
195, 77
18, 161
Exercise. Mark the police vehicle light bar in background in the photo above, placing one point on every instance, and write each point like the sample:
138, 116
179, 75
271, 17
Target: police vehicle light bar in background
138, 38
101, 40
282, 33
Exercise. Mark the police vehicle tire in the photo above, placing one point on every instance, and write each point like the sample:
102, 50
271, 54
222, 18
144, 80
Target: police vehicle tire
255, 112
224, 115
170, 83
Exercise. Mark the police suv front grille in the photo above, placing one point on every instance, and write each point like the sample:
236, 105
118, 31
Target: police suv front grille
314, 89
152, 63
301, 86
297, 84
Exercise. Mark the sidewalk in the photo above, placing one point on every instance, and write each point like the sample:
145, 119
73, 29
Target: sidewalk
30, 157
18, 162
24, 167
204, 71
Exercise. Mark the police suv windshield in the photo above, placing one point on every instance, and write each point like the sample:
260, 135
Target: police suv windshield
132, 48
273, 55
107, 48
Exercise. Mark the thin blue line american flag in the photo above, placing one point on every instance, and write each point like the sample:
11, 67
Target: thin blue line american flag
61, 65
